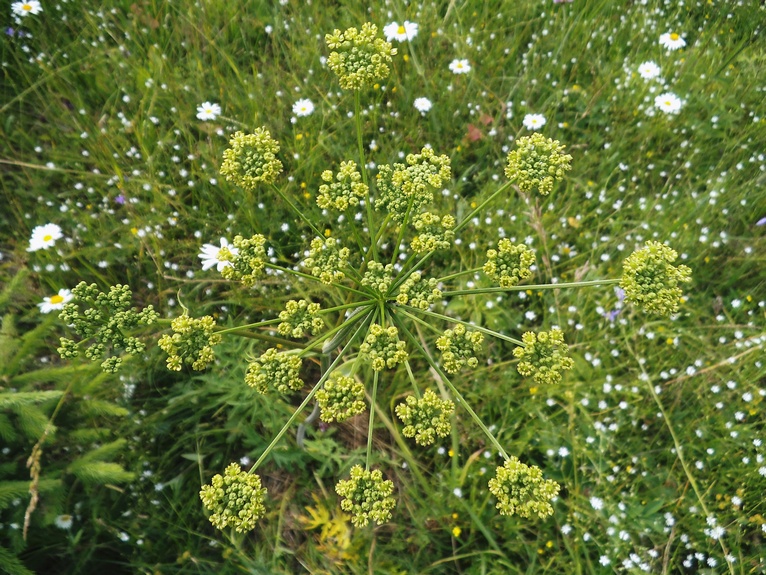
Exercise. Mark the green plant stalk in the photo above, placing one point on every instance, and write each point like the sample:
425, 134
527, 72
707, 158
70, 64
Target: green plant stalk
363, 167
299, 213
465, 323
412, 378
372, 420
325, 336
458, 274
250, 326
483, 205
402, 228
316, 279
533, 287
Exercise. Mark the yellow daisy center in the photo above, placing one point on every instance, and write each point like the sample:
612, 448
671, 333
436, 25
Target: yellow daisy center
400, 30
674, 36
26, 7
57, 299
47, 238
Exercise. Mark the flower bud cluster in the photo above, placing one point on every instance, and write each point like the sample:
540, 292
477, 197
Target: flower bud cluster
426, 417
544, 356
279, 371
192, 342
251, 159
509, 263
378, 277
521, 490
651, 281
418, 292
326, 260
234, 499
383, 347
434, 232
105, 318
366, 495
458, 347
345, 191
299, 318
341, 397
536, 163
247, 262
358, 58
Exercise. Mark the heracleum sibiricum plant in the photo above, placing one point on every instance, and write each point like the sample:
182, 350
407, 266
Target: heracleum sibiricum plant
373, 292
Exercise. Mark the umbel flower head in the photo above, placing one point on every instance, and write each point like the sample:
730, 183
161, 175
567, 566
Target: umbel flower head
326, 260
458, 347
426, 417
509, 263
345, 191
383, 347
366, 495
544, 356
299, 318
536, 163
358, 57
280, 371
341, 397
192, 342
521, 490
651, 281
247, 260
234, 499
434, 232
378, 277
251, 159
418, 292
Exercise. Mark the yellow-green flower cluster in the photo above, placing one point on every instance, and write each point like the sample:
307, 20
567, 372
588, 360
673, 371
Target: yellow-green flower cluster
378, 277
509, 263
418, 292
104, 320
249, 263
383, 347
234, 499
410, 186
544, 356
521, 490
651, 281
251, 159
358, 58
345, 191
341, 397
366, 495
192, 342
279, 371
434, 232
536, 163
300, 317
425, 418
458, 347
326, 260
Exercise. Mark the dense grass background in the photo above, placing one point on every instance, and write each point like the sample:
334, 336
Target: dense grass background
99, 135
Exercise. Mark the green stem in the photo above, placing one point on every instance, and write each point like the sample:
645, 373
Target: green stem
458, 274
300, 214
271, 339
382, 229
325, 336
412, 378
316, 279
372, 420
402, 227
481, 206
562, 285
465, 323
250, 325
363, 167
347, 306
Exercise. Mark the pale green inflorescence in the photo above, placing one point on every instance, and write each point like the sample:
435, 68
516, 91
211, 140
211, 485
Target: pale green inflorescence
378, 276
104, 319
383, 347
234, 499
326, 260
418, 291
521, 490
299, 318
251, 159
536, 163
249, 264
192, 342
358, 57
341, 397
458, 347
434, 232
425, 418
651, 281
509, 264
410, 186
544, 356
279, 371
345, 191
367, 496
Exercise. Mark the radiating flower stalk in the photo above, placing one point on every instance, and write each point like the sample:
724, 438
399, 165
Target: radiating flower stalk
364, 303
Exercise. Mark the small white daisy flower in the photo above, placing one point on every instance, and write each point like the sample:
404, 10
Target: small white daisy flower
209, 255
422, 105
533, 121
672, 41
208, 111
649, 70
63, 521
668, 103
400, 33
44, 237
24, 8
304, 107
55, 302
460, 66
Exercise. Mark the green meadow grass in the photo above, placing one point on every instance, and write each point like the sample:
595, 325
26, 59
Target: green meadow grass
656, 435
